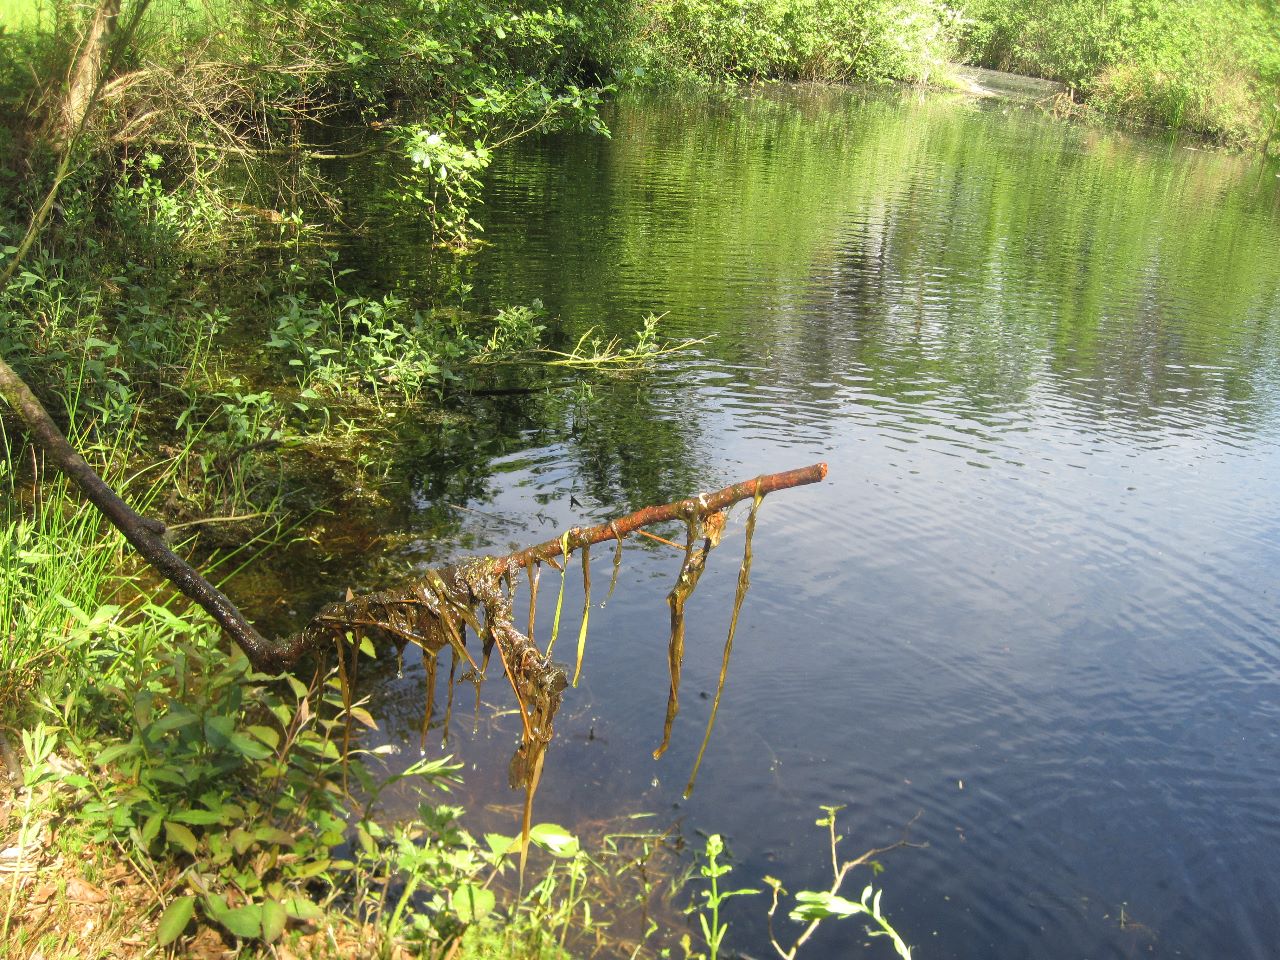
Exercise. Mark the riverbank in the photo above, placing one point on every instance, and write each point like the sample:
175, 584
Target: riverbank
1210, 68
183, 312
180, 313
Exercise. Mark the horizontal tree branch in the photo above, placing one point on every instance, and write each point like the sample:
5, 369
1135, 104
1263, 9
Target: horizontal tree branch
437, 591
702, 506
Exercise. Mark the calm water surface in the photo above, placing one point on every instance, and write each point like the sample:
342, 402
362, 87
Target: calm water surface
1036, 603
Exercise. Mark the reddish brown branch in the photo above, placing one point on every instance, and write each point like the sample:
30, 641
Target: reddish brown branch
702, 506
147, 536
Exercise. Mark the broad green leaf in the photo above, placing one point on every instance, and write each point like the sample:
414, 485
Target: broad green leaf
471, 903
499, 843
165, 775
115, 752
306, 871
274, 918
151, 828
218, 730
180, 836
300, 908
173, 720
297, 686
818, 905
199, 818
245, 922
268, 735
174, 920
273, 835
555, 839
248, 747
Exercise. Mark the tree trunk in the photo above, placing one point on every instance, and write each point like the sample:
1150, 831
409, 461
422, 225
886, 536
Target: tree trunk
86, 72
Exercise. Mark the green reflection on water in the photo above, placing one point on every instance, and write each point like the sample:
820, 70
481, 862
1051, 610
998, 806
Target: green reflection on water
969, 261
917, 238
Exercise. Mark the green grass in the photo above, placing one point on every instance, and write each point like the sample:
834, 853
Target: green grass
61, 568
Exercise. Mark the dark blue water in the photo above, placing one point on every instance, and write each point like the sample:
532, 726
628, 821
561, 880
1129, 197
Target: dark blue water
1037, 602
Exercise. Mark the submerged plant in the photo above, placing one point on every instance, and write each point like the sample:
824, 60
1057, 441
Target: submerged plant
812, 907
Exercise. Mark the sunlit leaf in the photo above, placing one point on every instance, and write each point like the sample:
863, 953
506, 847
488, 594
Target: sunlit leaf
472, 903
174, 920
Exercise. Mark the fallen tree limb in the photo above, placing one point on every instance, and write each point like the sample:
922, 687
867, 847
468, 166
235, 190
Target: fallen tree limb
398, 613
704, 506
435, 611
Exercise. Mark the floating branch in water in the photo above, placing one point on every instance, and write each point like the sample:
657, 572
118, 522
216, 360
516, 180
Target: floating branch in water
434, 611
593, 352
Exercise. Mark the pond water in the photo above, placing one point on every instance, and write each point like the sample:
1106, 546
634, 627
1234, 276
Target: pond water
1035, 605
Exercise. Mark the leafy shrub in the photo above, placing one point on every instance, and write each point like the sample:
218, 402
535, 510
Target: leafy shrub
342, 348
240, 784
822, 40
1209, 66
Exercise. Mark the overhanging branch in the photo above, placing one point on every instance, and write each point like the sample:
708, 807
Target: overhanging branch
400, 611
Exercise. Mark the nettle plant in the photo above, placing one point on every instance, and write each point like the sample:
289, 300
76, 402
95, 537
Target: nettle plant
241, 780
251, 786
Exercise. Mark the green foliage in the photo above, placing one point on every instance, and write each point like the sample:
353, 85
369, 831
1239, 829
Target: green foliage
812, 907
56, 568
38, 745
1208, 66
444, 178
342, 347
361, 344
161, 220
240, 782
824, 40
713, 931
515, 332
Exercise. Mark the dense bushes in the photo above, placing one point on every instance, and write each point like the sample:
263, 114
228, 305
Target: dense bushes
1208, 66
824, 40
